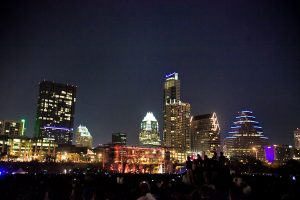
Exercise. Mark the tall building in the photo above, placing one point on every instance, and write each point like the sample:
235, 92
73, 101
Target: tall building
246, 137
83, 138
297, 138
205, 132
149, 134
176, 130
12, 127
171, 87
119, 138
55, 111
177, 125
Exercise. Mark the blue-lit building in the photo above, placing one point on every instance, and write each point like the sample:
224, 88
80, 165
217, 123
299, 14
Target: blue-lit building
55, 111
246, 137
279, 153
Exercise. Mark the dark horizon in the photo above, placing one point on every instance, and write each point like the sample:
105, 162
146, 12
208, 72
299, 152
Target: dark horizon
230, 56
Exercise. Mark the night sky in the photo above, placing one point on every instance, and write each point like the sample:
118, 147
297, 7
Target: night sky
230, 55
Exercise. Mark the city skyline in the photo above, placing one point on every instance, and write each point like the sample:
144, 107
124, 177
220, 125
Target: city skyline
230, 57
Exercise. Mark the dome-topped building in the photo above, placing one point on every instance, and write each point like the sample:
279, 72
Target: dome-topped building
246, 137
149, 134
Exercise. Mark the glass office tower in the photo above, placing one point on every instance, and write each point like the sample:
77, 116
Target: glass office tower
55, 111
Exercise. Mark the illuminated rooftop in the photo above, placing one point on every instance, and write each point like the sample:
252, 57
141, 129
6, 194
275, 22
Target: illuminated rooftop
149, 117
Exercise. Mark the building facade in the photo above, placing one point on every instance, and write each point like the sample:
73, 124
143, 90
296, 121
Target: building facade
205, 133
279, 153
12, 127
83, 137
149, 134
246, 137
119, 138
55, 111
177, 125
297, 138
171, 87
176, 115
21, 148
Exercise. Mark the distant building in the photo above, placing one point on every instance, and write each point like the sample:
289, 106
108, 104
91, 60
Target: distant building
297, 138
246, 137
279, 153
55, 111
83, 138
119, 138
176, 127
205, 131
21, 148
149, 134
12, 127
132, 159
171, 87
297, 154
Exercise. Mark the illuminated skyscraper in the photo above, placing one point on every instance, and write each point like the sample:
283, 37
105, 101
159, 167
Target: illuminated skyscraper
171, 87
83, 138
246, 137
12, 127
149, 134
177, 125
55, 111
297, 138
176, 132
205, 131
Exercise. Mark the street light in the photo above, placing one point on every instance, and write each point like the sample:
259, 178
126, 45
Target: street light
255, 150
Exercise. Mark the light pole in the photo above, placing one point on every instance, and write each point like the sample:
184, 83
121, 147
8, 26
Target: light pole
255, 150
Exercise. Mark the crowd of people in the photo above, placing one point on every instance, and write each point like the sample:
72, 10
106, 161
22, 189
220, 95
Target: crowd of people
204, 170
144, 187
205, 178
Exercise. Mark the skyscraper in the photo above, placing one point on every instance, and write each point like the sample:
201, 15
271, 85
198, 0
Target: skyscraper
149, 134
83, 137
171, 87
55, 111
246, 137
177, 125
205, 132
297, 138
176, 131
